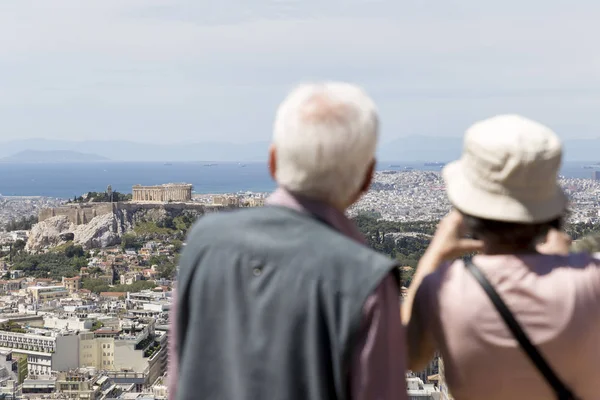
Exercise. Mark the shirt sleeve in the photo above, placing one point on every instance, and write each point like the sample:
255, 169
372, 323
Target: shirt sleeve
378, 370
172, 350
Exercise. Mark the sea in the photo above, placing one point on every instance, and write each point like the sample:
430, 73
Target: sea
72, 179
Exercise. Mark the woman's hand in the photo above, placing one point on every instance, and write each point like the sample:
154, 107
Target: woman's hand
447, 243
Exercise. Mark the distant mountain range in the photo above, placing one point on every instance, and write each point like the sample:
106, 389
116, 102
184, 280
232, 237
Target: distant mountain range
140, 152
405, 149
51, 156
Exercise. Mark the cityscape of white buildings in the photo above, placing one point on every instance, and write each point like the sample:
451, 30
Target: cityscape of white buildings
15, 207
58, 340
420, 196
82, 345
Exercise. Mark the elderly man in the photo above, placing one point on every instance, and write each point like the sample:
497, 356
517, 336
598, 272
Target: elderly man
286, 301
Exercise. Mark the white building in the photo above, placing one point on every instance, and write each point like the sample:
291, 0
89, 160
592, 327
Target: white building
44, 353
67, 323
19, 235
139, 350
42, 294
417, 390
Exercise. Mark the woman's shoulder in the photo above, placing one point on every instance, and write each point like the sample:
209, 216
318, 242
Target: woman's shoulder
513, 267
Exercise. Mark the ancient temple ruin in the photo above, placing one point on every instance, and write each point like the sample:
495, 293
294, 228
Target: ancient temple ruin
170, 192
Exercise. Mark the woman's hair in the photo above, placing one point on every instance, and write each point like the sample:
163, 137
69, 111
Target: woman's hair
509, 233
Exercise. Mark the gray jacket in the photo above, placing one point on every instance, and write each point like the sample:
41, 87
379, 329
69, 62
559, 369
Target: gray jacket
270, 302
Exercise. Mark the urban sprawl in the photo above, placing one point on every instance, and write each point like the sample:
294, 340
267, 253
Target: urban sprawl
85, 305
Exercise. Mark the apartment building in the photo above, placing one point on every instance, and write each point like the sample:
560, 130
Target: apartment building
72, 284
154, 309
86, 386
42, 294
135, 348
44, 354
7, 286
417, 390
130, 278
68, 323
9, 367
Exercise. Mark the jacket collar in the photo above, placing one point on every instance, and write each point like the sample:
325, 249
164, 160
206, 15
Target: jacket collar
327, 213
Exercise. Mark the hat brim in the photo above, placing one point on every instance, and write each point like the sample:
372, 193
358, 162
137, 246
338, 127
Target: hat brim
474, 201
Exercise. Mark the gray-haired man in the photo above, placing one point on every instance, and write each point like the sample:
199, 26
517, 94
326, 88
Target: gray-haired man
286, 301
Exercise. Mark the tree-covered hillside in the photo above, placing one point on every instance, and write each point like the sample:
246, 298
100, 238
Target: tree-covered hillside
407, 241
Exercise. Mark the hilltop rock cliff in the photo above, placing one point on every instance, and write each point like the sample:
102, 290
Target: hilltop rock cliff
105, 230
102, 231
47, 233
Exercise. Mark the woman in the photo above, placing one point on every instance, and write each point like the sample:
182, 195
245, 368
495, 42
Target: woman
506, 198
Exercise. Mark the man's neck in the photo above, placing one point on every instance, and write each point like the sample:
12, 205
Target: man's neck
303, 198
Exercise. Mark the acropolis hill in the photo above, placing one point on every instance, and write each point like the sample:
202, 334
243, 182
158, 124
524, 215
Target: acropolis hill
172, 196
102, 224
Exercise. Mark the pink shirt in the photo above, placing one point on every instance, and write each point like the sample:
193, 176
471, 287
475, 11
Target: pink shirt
555, 298
378, 368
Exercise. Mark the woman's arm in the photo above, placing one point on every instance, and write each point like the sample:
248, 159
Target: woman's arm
447, 244
420, 343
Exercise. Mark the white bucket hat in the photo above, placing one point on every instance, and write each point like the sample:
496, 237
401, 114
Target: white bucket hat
508, 172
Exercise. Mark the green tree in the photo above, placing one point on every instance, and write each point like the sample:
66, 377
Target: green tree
177, 245
72, 251
21, 224
404, 241
65, 261
95, 285
19, 245
130, 241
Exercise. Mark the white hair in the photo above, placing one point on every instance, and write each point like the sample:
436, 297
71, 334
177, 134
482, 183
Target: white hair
325, 137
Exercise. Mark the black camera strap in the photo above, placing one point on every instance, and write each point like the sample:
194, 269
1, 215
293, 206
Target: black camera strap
561, 390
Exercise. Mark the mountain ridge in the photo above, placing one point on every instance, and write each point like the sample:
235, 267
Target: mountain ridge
51, 156
413, 148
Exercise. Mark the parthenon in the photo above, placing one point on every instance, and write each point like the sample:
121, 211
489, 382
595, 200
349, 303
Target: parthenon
175, 192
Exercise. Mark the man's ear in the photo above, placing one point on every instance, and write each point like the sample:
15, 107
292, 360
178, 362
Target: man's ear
272, 161
368, 177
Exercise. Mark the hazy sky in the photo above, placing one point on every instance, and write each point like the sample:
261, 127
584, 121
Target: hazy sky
193, 70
